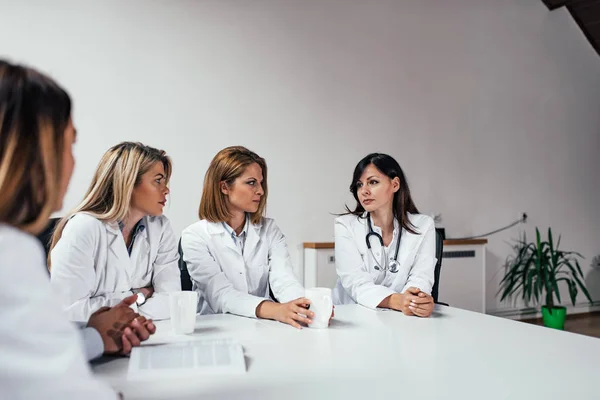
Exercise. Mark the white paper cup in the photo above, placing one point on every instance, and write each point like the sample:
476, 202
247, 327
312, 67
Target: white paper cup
322, 305
183, 311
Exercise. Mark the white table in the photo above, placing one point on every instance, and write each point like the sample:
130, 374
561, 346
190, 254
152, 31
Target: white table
367, 354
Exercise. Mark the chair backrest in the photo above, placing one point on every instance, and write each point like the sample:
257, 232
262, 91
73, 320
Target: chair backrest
186, 281
45, 236
439, 250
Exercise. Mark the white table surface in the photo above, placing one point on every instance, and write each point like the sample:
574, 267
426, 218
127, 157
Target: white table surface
366, 354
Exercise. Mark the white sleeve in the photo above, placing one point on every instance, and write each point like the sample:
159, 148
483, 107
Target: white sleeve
421, 274
73, 273
165, 276
211, 280
354, 277
92, 342
42, 352
283, 282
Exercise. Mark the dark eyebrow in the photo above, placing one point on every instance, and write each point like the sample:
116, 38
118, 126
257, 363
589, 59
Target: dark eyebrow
161, 175
372, 177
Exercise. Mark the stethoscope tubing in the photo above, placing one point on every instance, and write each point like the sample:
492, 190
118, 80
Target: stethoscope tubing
387, 266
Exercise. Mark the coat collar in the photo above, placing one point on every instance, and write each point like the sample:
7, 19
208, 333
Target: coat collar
115, 227
252, 238
116, 242
112, 227
217, 228
378, 229
114, 231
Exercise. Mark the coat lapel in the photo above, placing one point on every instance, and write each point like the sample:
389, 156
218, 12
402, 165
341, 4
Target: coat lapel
116, 245
144, 240
115, 237
140, 256
251, 240
217, 228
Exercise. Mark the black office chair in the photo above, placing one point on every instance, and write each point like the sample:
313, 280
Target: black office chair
186, 281
45, 236
439, 251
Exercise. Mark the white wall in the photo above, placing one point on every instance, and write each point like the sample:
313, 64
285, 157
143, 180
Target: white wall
490, 106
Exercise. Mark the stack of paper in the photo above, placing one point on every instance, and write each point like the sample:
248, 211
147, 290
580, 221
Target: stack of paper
201, 357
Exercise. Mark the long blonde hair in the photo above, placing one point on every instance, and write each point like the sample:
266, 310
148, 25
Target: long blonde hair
227, 166
34, 114
109, 194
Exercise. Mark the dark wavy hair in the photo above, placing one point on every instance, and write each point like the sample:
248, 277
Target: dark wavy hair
402, 203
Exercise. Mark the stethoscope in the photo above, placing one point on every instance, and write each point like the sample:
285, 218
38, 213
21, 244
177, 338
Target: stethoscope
392, 266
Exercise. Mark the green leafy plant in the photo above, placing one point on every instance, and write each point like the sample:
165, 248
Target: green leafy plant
537, 268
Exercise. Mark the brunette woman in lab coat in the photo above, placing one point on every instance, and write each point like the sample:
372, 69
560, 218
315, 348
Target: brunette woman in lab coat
384, 248
234, 254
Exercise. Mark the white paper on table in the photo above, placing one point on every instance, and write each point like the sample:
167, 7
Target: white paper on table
199, 357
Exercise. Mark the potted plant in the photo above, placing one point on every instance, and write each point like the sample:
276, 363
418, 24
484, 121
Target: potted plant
536, 270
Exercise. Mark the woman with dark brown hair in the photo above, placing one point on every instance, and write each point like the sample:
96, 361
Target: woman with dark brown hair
384, 248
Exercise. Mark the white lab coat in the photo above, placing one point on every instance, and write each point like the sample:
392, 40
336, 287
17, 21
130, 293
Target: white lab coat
228, 281
91, 267
359, 281
41, 353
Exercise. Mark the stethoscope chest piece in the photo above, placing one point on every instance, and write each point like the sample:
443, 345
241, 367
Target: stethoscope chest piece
393, 264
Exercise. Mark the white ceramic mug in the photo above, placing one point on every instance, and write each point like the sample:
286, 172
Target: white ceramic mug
321, 304
183, 311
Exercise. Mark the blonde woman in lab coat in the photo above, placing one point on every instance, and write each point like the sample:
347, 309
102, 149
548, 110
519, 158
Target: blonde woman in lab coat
234, 254
42, 354
384, 249
117, 242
